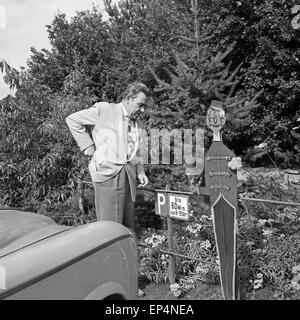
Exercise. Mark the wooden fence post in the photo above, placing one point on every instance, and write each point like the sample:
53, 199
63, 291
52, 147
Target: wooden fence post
170, 246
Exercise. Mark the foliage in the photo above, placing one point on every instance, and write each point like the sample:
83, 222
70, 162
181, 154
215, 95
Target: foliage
91, 59
197, 77
27, 177
195, 240
268, 46
188, 52
11, 75
267, 247
66, 211
83, 42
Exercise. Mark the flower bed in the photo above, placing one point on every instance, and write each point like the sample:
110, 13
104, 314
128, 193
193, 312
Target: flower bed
268, 245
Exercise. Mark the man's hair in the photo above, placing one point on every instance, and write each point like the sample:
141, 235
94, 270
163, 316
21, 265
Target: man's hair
134, 89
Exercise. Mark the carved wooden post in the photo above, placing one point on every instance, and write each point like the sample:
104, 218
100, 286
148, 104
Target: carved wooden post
221, 184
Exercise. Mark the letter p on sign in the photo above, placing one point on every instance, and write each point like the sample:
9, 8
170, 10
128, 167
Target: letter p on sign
161, 204
161, 201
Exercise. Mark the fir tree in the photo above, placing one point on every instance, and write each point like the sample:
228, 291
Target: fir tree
198, 76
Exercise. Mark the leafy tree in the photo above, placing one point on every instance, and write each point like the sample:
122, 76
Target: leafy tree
20, 119
188, 53
83, 43
268, 46
39, 159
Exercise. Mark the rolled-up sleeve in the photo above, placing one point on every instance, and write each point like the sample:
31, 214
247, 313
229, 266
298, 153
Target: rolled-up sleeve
78, 121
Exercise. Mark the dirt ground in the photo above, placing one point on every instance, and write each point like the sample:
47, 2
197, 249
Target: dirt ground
161, 291
205, 291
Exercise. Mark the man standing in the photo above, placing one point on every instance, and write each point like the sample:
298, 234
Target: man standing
114, 151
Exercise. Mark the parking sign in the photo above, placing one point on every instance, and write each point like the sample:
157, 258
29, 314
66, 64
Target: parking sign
161, 204
179, 207
172, 204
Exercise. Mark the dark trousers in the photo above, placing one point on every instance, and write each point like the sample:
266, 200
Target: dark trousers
113, 200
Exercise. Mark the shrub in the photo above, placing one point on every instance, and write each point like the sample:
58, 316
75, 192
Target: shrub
267, 246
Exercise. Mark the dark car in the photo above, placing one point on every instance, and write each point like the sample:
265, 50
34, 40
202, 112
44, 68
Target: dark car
40, 259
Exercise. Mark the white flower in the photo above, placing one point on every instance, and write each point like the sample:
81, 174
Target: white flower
194, 228
148, 240
296, 269
174, 286
155, 240
290, 213
257, 284
262, 145
295, 283
175, 289
246, 195
205, 244
148, 251
249, 243
262, 222
202, 269
205, 218
235, 163
267, 232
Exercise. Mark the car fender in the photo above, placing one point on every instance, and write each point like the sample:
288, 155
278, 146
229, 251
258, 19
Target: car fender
107, 289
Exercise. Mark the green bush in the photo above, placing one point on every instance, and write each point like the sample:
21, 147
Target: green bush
267, 247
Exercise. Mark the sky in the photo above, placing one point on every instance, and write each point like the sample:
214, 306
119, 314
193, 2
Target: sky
22, 25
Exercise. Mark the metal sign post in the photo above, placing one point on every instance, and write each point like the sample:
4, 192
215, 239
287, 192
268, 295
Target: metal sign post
170, 247
172, 205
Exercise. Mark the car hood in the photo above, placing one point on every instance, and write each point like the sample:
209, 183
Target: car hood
19, 229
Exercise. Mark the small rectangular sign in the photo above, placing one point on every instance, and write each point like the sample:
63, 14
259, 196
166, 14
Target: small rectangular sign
173, 205
179, 207
161, 204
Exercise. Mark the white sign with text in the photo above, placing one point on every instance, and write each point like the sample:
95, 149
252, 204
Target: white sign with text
179, 207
